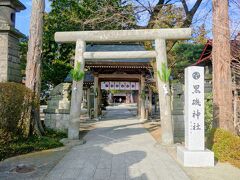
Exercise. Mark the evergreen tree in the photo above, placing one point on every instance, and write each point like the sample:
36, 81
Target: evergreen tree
75, 15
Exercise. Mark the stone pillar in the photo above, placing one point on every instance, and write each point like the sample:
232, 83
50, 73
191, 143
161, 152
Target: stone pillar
88, 102
142, 101
139, 103
10, 69
77, 93
194, 154
150, 102
99, 101
146, 107
164, 95
155, 102
96, 92
131, 97
84, 103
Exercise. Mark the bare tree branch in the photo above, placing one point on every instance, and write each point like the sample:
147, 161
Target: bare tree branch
146, 8
195, 7
185, 6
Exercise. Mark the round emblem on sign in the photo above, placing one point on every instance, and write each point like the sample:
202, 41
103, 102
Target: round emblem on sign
196, 75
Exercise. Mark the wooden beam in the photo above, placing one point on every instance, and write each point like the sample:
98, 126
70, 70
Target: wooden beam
120, 76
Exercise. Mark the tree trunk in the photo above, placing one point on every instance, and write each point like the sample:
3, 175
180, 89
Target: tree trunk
235, 104
222, 81
33, 69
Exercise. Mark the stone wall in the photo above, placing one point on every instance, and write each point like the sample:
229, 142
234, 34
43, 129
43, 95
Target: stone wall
9, 58
178, 111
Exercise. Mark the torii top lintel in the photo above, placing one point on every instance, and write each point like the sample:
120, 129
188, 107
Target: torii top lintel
123, 35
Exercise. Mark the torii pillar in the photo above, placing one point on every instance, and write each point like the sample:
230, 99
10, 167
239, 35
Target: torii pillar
77, 94
158, 35
142, 100
96, 96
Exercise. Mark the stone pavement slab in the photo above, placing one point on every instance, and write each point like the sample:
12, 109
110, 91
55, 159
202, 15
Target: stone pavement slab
118, 149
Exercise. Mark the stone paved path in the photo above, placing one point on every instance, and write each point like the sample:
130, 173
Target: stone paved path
118, 149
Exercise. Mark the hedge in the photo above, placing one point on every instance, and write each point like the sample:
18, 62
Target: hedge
15, 100
226, 147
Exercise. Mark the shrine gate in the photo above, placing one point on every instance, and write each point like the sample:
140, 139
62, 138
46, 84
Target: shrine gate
158, 35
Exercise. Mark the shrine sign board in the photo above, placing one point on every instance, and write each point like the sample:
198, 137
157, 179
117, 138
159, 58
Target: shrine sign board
194, 108
194, 153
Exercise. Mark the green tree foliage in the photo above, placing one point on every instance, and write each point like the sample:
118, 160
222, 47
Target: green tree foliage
23, 47
75, 15
55, 71
183, 55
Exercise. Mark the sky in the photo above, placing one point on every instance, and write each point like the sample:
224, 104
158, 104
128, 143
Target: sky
23, 18
203, 15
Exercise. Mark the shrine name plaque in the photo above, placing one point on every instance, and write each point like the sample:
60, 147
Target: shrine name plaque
194, 108
194, 154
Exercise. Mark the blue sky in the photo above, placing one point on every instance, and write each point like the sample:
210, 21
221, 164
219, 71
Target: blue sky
202, 16
23, 18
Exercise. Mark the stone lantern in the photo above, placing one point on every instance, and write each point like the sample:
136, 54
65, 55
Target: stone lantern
9, 41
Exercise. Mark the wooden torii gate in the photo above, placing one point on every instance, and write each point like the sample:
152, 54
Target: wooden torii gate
158, 35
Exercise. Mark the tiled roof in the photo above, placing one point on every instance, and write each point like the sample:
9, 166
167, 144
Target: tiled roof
88, 77
123, 63
15, 4
118, 47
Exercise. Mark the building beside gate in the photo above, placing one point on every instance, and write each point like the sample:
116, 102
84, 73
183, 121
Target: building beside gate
205, 60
